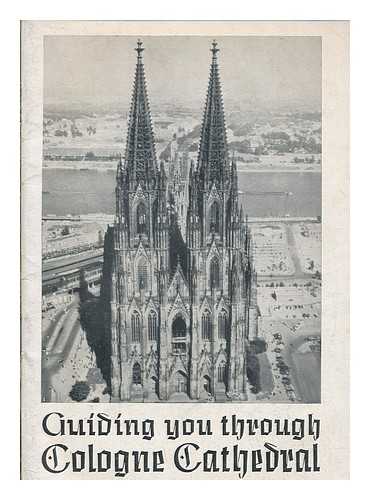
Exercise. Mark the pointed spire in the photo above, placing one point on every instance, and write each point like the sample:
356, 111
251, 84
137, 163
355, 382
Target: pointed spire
234, 179
214, 49
119, 188
139, 49
213, 155
191, 170
162, 175
140, 156
119, 175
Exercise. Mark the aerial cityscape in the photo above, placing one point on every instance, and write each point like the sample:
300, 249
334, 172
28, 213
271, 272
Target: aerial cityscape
182, 236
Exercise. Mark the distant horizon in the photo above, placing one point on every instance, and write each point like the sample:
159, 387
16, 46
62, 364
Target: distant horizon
257, 73
116, 106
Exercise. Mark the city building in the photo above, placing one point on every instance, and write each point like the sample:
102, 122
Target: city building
180, 307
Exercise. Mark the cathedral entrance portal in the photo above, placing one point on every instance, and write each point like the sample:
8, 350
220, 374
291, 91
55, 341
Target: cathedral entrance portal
137, 383
152, 389
180, 382
153, 385
207, 384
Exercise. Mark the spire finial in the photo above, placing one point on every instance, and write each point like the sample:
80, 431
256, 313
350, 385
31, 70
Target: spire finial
214, 49
139, 49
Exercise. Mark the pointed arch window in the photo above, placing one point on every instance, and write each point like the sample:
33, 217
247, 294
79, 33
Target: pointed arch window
206, 326
214, 218
222, 324
178, 328
141, 219
221, 372
135, 327
136, 374
214, 273
152, 326
142, 274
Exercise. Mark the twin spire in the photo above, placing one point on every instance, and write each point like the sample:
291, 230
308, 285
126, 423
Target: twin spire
140, 156
213, 155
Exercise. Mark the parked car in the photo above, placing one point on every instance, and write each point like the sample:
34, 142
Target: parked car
282, 364
284, 371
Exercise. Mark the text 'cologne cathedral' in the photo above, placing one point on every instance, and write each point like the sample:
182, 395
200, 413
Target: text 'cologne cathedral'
179, 289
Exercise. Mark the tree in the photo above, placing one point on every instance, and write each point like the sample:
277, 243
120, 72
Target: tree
258, 346
79, 391
65, 231
253, 372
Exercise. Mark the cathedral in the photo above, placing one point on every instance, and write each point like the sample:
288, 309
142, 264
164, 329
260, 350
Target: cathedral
179, 286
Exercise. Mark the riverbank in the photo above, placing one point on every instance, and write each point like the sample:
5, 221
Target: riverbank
112, 166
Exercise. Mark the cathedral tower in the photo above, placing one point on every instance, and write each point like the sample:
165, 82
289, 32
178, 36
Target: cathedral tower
219, 257
136, 257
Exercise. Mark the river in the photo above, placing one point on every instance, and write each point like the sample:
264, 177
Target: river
92, 191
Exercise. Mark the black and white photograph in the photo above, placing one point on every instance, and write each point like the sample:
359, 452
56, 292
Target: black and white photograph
181, 219
185, 250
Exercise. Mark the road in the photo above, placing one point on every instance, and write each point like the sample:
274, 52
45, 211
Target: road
58, 342
298, 271
304, 365
53, 270
59, 262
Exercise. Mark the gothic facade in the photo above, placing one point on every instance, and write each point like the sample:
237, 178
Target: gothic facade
179, 289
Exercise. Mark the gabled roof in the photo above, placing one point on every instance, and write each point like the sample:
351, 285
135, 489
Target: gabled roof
177, 280
179, 305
